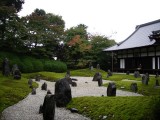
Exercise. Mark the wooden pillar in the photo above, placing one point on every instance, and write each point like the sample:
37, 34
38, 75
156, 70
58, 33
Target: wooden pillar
112, 61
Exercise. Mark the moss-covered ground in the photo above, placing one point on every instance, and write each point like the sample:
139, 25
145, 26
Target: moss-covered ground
97, 108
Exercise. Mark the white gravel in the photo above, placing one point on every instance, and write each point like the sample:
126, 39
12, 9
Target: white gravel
28, 108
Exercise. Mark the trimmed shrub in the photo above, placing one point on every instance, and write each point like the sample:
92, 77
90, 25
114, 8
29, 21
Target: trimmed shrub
55, 66
27, 66
37, 65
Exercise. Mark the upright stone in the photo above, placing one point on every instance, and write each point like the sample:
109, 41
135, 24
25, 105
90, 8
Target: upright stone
137, 74
44, 86
30, 81
127, 73
98, 66
97, 76
33, 91
5, 67
109, 73
90, 66
67, 76
134, 87
111, 89
14, 68
17, 74
62, 92
37, 78
48, 108
157, 81
100, 82
145, 79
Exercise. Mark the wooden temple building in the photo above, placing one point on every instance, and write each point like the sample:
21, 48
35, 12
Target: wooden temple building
140, 51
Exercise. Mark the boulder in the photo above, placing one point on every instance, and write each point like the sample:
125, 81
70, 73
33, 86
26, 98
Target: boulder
145, 79
37, 78
137, 74
134, 87
5, 67
44, 86
30, 81
33, 91
49, 92
48, 108
109, 73
127, 73
62, 92
74, 110
74, 84
97, 76
100, 82
17, 74
111, 89
98, 66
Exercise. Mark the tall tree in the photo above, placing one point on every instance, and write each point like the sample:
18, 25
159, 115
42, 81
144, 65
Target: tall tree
99, 42
54, 33
44, 32
77, 42
8, 10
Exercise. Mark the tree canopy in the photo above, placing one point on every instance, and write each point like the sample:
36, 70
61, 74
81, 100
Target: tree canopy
42, 34
8, 19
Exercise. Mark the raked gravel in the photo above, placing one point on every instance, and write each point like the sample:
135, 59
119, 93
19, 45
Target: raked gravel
28, 108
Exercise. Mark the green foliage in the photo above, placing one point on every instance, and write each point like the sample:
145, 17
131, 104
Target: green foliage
55, 66
117, 108
77, 44
49, 76
13, 59
28, 64
99, 43
37, 65
13, 91
44, 32
86, 72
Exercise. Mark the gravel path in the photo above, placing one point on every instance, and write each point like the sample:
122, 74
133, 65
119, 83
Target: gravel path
28, 108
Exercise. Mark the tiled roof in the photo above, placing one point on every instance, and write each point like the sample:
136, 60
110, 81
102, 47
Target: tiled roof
139, 37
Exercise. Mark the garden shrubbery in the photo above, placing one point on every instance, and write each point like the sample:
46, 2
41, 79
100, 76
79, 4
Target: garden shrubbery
28, 64
54, 66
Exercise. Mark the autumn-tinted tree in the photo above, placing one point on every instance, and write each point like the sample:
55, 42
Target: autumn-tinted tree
77, 42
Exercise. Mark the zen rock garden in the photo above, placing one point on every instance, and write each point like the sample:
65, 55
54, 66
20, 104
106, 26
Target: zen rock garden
65, 88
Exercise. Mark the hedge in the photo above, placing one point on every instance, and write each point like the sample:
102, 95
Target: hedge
29, 64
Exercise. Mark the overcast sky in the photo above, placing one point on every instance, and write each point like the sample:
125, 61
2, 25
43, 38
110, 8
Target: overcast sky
116, 18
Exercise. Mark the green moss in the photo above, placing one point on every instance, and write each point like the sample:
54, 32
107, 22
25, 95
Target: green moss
13, 91
87, 72
49, 76
115, 108
142, 89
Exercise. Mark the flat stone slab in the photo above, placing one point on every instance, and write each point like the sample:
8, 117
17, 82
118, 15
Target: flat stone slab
130, 80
